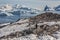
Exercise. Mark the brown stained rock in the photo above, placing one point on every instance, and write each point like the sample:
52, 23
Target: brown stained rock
37, 31
45, 29
48, 16
45, 17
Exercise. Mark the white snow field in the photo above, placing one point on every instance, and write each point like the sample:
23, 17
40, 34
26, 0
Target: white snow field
33, 37
12, 28
19, 27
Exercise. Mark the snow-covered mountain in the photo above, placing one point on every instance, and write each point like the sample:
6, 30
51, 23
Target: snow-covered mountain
57, 8
47, 8
25, 29
13, 13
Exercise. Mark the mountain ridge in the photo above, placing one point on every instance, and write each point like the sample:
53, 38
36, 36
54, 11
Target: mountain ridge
47, 16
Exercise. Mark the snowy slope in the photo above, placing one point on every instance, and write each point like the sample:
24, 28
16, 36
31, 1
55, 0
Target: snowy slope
33, 37
14, 27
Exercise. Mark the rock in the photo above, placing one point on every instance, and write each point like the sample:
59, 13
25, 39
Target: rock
48, 16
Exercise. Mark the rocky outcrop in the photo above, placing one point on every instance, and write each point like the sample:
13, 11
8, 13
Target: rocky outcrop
48, 16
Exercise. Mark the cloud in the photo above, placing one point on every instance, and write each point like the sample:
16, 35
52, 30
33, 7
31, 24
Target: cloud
33, 3
39, 4
8, 1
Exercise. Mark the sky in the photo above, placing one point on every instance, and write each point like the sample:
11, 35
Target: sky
38, 4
